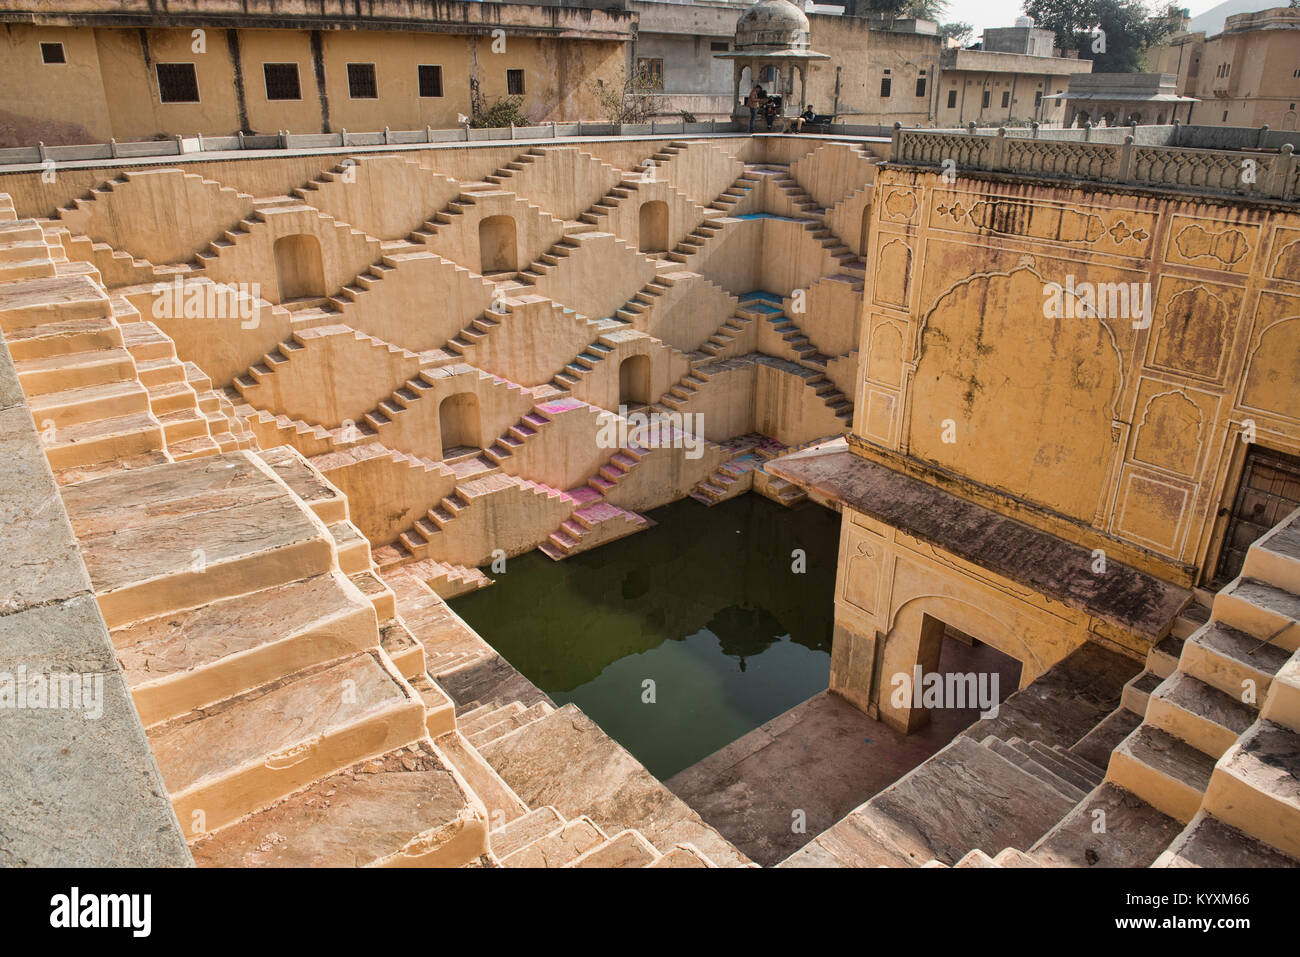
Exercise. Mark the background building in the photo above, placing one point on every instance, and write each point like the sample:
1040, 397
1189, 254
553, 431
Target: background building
1248, 75
1117, 99
87, 71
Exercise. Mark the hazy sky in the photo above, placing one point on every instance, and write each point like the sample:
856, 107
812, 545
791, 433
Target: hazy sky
1003, 13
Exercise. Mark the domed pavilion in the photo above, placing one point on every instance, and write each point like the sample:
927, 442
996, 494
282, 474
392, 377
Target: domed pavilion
772, 33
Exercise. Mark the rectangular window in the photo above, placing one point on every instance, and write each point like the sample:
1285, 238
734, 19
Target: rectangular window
650, 71
430, 80
52, 53
719, 46
952, 99
986, 99
361, 81
885, 84
1038, 99
1006, 99
515, 82
177, 83
281, 81
920, 86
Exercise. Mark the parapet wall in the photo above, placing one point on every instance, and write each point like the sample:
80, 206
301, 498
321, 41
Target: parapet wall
78, 783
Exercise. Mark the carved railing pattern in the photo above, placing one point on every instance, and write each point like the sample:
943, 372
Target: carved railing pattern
1076, 160
932, 149
1265, 174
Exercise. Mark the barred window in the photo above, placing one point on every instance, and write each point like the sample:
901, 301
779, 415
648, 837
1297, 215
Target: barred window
430, 80
650, 71
361, 81
515, 82
177, 83
282, 81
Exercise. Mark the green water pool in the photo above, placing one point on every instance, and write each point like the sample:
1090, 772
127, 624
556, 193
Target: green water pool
706, 605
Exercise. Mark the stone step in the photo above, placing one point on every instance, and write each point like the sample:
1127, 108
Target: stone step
525, 830
63, 338
486, 719
377, 593
233, 758
351, 549
1208, 842
103, 440
1163, 656
1256, 786
967, 796
177, 536
560, 847
1166, 772
1057, 765
1110, 827
1261, 610
404, 808
625, 849
439, 711
1188, 620
1095, 746
1232, 661
566, 761
180, 662
1275, 557
406, 654
683, 855
1199, 714
501, 802
87, 403
35, 302
509, 724
977, 859
329, 504
1027, 763
58, 373
1137, 692
1282, 706
1010, 857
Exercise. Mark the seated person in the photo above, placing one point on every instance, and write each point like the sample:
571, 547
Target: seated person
807, 116
769, 111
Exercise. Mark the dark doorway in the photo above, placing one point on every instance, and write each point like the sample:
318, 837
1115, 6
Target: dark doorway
1269, 490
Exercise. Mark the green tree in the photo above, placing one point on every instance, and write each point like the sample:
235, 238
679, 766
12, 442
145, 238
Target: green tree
1114, 34
961, 32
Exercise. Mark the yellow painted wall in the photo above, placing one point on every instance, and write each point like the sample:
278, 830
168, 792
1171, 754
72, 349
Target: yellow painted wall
1103, 430
108, 87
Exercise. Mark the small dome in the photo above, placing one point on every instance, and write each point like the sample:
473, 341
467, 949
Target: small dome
772, 25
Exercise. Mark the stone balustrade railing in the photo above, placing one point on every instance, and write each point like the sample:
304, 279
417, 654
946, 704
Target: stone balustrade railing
285, 140
1265, 172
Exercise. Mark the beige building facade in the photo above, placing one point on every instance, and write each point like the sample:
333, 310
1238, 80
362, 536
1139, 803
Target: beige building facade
876, 72
86, 73
1248, 75
1134, 449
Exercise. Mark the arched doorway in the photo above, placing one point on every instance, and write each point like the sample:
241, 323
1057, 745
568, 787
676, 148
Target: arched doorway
652, 232
498, 248
460, 424
634, 381
299, 268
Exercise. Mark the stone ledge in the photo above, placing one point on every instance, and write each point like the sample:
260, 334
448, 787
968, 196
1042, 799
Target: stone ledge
1123, 596
78, 785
